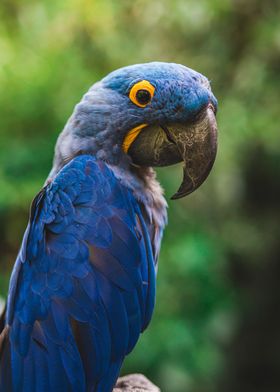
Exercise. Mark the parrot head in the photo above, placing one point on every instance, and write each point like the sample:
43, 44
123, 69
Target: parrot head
153, 114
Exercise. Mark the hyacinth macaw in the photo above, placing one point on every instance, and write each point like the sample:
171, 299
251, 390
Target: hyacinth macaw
83, 285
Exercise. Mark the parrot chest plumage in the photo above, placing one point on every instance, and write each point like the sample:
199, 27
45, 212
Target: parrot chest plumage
83, 287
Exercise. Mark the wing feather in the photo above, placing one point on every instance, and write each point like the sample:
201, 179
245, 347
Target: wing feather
82, 288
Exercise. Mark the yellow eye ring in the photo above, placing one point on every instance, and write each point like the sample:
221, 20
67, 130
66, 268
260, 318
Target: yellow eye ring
142, 93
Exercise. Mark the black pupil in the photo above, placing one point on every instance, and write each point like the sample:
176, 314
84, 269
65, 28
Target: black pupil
143, 96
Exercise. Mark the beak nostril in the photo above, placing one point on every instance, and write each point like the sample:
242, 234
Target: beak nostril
213, 107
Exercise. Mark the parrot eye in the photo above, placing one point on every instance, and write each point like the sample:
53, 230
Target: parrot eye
143, 97
142, 93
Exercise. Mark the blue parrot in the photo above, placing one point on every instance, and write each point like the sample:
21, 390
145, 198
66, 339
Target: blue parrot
83, 285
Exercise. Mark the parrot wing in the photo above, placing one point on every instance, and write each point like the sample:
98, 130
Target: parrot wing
83, 285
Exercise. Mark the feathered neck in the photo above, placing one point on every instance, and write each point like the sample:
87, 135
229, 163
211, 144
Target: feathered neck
146, 189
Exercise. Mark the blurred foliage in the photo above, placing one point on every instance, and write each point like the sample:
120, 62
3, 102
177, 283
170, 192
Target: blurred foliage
218, 238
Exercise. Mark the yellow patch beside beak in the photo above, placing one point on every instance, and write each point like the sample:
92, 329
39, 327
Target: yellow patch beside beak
131, 136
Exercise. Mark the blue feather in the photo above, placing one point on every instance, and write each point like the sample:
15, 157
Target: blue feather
78, 295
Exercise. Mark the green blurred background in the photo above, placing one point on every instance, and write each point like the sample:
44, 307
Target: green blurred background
217, 321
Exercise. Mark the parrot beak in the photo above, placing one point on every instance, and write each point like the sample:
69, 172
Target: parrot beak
195, 144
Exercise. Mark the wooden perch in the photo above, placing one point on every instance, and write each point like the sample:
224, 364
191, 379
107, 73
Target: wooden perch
135, 383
